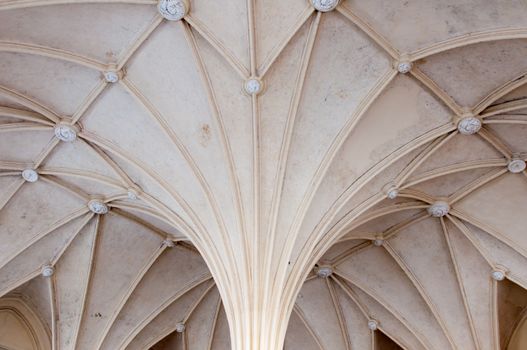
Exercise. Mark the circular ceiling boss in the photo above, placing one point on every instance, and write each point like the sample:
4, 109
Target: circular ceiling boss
469, 125
439, 209
378, 242
173, 10
324, 5
253, 86
324, 271
112, 76
516, 165
391, 190
404, 67
65, 132
30, 175
47, 271
97, 206
498, 275
180, 327
373, 325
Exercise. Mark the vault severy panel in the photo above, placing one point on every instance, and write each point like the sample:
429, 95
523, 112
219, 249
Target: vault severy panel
275, 107
466, 17
60, 85
315, 296
353, 318
197, 308
27, 263
328, 104
468, 74
471, 246
16, 149
231, 101
67, 157
502, 218
70, 34
424, 251
473, 274
314, 150
160, 286
233, 38
275, 20
34, 222
105, 293
381, 277
72, 274
513, 136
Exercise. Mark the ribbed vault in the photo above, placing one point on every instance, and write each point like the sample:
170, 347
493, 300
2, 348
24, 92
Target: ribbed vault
249, 141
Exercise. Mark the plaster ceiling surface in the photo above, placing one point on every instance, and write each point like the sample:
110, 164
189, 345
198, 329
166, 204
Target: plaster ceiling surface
215, 159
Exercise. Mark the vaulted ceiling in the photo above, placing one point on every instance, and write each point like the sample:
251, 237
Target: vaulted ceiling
172, 182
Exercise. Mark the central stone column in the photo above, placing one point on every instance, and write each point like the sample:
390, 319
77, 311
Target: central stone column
280, 108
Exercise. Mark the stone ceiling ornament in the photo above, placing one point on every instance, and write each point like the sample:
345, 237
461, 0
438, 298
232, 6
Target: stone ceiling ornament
469, 125
97, 206
324, 271
404, 65
169, 243
516, 165
173, 10
373, 325
498, 275
66, 132
253, 86
378, 242
30, 175
391, 191
180, 327
132, 194
439, 209
112, 76
324, 5
47, 271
